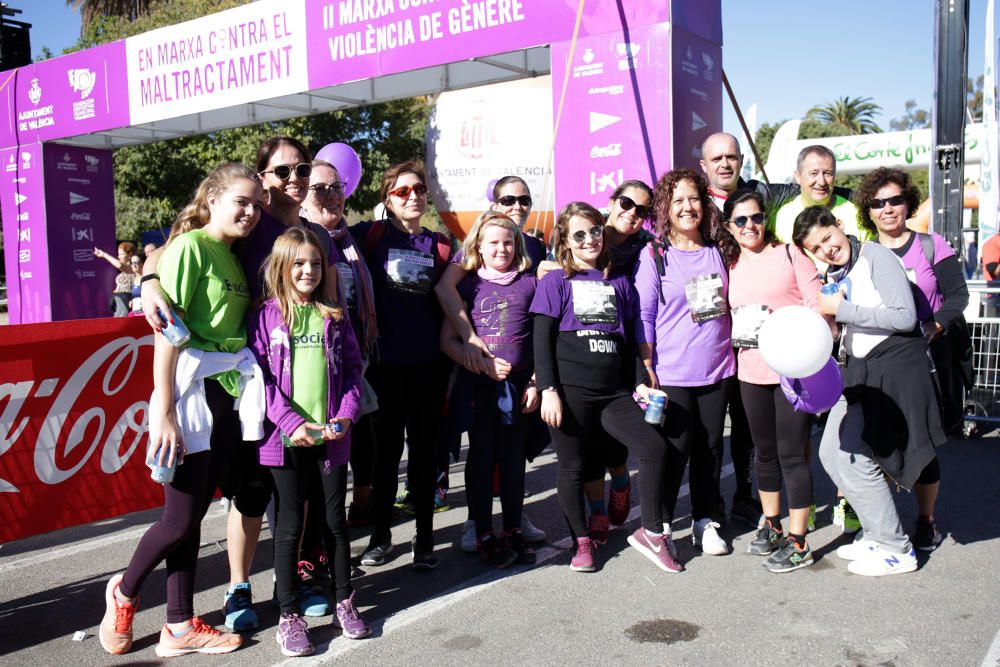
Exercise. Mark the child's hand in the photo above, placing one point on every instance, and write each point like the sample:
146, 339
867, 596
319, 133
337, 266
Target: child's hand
345, 425
531, 400
300, 437
552, 408
545, 267
498, 368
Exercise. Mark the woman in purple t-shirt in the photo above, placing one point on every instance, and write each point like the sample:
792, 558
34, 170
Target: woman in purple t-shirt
586, 320
885, 200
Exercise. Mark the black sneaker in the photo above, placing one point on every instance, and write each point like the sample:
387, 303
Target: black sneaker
746, 509
376, 554
789, 558
516, 541
767, 541
495, 552
926, 537
423, 557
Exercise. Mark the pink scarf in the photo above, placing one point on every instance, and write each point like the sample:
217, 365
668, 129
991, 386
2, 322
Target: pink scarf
498, 277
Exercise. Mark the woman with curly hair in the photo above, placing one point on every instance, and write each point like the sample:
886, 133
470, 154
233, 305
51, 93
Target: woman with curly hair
683, 288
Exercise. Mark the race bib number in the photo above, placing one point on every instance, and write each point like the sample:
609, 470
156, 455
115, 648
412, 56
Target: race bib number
594, 302
746, 324
705, 298
348, 292
410, 271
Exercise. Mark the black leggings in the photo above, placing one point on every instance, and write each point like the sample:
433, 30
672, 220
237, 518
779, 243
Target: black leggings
589, 418
781, 436
693, 426
492, 443
411, 399
362, 448
294, 482
741, 445
177, 535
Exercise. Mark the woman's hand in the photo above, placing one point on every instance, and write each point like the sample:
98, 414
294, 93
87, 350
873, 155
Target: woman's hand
828, 303
300, 437
530, 400
165, 439
546, 266
654, 382
643, 392
154, 302
476, 355
552, 408
345, 426
932, 329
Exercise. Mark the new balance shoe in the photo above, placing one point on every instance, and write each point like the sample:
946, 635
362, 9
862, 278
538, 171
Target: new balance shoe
879, 563
852, 523
789, 557
655, 548
468, 543
441, 500
293, 636
619, 503
746, 509
376, 554
767, 541
856, 550
312, 602
705, 535
926, 537
237, 607
597, 527
404, 502
838, 512
349, 619
200, 638
496, 552
583, 558
811, 525
532, 534
519, 545
115, 632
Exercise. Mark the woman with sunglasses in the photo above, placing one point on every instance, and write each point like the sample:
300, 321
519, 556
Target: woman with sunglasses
887, 424
885, 200
410, 373
765, 275
683, 287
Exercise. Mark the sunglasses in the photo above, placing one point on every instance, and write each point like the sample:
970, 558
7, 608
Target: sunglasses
627, 205
324, 190
403, 191
895, 200
510, 200
284, 171
595, 233
742, 220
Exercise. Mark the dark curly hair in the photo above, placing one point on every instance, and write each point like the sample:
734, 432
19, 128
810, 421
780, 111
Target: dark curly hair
664, 193
728, 244
874, 182
561, 248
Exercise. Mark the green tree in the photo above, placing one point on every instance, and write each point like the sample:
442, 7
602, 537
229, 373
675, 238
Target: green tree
912, 119
974, 98
92, 10
855, 113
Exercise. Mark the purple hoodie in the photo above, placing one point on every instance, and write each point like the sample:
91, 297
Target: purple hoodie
267, 335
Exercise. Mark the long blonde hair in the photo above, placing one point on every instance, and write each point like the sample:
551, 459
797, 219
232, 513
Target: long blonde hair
563, 251
196, 214
278, 276
473, 260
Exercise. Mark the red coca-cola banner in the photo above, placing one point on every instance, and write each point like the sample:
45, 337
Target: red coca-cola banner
73, 404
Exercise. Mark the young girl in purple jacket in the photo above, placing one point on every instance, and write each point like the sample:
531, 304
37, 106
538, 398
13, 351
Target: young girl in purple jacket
312, 372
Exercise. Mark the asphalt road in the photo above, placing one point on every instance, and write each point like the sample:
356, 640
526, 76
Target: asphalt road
721, 610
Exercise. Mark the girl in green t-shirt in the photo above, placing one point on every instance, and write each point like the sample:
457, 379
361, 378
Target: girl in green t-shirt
207, 285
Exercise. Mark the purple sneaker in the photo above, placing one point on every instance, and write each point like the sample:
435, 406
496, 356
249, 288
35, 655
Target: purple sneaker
293, 636
655, 548
583, 559
349, 620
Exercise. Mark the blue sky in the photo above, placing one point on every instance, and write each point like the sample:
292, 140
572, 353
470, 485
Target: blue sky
783, 55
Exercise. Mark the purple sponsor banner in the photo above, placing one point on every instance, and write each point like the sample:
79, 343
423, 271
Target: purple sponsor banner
22, 204
353, 39
701, 17
80, 215
614, 124
697, 94
75, 94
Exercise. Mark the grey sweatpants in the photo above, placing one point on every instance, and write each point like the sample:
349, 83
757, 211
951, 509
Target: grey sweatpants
849, 462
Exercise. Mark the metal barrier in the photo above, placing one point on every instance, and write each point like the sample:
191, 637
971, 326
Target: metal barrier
982, 402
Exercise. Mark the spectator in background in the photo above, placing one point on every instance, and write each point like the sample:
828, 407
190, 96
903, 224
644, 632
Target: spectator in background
148, 249
122, 296
991, 258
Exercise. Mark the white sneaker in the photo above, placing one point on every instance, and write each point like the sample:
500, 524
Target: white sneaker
703, 534
856, 550
880, 562
531, 533
469, 537
668, 538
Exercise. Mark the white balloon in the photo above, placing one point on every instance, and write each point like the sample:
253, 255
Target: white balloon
795, 341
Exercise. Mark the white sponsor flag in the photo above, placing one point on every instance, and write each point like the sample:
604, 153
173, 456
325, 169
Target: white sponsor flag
989, 186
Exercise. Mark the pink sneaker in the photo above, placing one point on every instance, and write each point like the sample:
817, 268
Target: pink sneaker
598, 526
583, 559
619, 504
655, 548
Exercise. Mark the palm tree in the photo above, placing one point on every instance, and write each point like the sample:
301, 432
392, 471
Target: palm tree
94, 9
857, 114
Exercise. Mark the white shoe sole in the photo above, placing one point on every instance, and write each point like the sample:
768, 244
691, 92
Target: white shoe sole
176, 652
882, 573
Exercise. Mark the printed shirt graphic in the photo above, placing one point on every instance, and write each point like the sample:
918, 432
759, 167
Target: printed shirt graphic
555, 297
410, 270
747, 321
309, 350
594, 302
499, 314
705, 297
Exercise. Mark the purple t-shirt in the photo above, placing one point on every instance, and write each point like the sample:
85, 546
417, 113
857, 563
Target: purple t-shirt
254, 249
537, 252
500, 316
404, 269
927, 297
587, 301
686, 353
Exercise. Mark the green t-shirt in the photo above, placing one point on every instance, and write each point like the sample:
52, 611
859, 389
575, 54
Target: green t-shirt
204, 279
309, 381
841, 208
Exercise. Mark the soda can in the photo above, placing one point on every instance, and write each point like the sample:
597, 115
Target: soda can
164, 474
830, 288
177, 334
655, 409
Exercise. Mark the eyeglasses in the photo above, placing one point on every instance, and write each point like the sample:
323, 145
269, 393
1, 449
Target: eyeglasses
627, 205
403, 191
284, 171
510, 200
324, 190
742, 220
895, 200
595, 233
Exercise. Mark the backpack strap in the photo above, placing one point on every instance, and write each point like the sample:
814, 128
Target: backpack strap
658, 252
927, 243
443, 247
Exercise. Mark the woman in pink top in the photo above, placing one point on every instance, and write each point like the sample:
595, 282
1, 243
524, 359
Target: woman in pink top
765, 275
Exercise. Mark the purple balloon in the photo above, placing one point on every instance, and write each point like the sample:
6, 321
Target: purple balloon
489, 189
818, 392
347, 162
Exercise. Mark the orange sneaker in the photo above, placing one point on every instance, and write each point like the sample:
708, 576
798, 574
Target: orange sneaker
115, 632
201, 638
